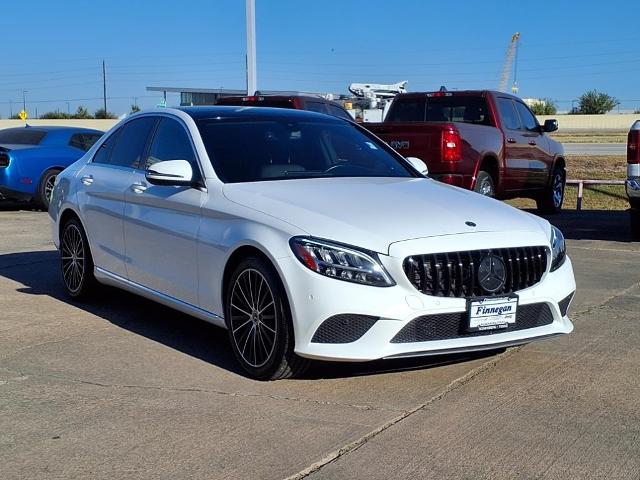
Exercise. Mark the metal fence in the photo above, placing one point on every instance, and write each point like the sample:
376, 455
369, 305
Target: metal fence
582, 183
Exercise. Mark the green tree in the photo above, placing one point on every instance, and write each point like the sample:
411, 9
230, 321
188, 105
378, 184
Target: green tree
594, 102
82, 113
135, 108
101, 113
55, 115
546, 106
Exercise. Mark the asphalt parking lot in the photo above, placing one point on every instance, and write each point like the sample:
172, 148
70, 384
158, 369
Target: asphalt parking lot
124, 388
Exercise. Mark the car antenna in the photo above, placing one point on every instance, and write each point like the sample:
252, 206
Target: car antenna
443, 88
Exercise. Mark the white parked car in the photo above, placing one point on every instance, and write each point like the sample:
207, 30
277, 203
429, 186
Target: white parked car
306, 237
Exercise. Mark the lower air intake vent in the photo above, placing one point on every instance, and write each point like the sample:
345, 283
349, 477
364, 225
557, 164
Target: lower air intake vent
345, 328
564, 304
454, 325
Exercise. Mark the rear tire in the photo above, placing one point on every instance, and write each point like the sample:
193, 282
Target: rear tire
76, 261
45, 188
551, 200
485, 184
634, 223
259, 322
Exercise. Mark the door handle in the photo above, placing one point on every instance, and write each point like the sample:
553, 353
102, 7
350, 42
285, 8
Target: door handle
511, 140
138, 188
532, 142
87, 180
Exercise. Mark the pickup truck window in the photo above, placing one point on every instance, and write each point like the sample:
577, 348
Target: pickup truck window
510, 119
528, 120
259, 149
461, 108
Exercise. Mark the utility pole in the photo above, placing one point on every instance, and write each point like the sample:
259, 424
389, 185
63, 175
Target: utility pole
10, 108
252, 84
24, 100
104, 88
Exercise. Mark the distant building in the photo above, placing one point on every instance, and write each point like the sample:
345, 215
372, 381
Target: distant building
197, 96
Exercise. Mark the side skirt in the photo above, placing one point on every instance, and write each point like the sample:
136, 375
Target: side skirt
117, 281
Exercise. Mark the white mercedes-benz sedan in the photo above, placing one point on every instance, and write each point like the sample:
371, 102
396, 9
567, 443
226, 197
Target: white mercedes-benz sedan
306, 237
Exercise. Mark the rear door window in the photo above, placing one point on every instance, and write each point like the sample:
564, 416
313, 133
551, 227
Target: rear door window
508, 114
131, 142
103, 155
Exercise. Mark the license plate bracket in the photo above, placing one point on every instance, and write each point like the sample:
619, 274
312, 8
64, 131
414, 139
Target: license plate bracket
491, 313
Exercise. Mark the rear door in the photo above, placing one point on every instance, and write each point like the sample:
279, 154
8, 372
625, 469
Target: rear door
103, 182
161, 222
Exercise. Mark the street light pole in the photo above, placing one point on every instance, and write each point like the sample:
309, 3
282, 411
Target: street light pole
24, 100
252, 84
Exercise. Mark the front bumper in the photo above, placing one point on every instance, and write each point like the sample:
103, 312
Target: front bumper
315, 298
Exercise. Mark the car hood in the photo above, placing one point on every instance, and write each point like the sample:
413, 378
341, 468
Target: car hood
373, 213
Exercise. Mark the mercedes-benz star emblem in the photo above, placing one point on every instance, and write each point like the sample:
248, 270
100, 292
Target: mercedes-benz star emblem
492, 273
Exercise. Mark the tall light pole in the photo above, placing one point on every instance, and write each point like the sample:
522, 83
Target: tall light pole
252, 83
24, 100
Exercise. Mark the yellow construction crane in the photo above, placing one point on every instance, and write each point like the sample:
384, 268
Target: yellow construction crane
512, 55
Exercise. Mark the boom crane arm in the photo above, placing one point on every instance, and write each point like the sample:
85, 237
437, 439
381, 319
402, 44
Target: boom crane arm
512, 52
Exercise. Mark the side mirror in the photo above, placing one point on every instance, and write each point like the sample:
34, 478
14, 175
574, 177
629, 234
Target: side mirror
170, 172
550, 125
418, 164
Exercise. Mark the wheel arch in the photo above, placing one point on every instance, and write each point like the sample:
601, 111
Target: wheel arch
489, 163
241, 252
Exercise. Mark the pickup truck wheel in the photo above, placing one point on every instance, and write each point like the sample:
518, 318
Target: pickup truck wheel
484, 184
634, 223
550, 201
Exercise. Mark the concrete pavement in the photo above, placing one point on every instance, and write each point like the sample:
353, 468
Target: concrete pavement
124, 388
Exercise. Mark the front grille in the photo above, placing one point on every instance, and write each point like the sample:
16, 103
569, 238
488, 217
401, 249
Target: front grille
454, 274
344, 328
454, 325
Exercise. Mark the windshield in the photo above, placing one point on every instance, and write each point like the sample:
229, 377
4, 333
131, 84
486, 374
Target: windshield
21, 136
260, 149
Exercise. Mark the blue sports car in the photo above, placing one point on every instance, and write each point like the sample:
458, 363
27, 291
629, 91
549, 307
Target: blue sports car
32, 157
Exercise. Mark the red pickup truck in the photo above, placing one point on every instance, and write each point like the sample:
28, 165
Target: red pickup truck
485, 141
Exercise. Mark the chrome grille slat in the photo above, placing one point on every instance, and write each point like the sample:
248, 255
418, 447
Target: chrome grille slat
454, 274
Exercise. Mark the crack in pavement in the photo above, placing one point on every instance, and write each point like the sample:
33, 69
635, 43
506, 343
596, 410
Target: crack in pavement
206, 390
452, 386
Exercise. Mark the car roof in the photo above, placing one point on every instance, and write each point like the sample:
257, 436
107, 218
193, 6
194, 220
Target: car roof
58, 128
198, 113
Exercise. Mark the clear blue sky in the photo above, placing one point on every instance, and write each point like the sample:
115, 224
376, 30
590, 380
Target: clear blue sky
54, 49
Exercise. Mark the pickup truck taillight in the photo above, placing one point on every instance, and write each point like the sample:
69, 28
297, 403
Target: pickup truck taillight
633, 144
451, 147
4, 160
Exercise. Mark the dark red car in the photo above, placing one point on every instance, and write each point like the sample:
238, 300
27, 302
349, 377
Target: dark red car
485, 141
297, 102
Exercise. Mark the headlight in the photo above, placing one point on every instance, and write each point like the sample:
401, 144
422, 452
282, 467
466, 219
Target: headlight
341, 262
558, 249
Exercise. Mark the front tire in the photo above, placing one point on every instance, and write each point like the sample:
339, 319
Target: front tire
45, 188
485, 184
76, 261
259, 322
551, 200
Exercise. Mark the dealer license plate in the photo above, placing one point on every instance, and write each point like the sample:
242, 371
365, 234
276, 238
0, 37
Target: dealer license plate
492, 313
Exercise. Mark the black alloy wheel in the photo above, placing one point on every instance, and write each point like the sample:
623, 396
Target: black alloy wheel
259, 322
76, 261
